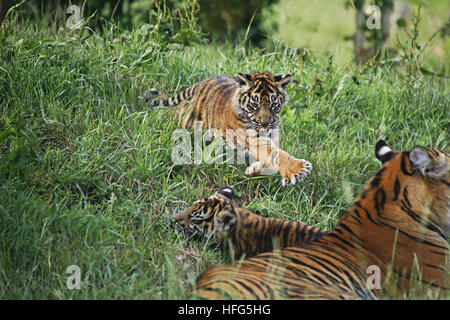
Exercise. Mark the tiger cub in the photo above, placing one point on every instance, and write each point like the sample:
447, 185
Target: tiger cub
248, 233
400, 223
250, 106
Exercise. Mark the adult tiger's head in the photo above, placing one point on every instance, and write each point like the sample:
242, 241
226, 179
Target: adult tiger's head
419, 180
213, 215
261, 98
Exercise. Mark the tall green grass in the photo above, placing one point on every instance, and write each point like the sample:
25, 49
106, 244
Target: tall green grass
86, 176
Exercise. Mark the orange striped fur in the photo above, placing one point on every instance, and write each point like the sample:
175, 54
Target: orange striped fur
248, 233
401, 220
248, 104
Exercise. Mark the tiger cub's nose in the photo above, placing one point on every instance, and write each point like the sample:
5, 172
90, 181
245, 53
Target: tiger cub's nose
265, 123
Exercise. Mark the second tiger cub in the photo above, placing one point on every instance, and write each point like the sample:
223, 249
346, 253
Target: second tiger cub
250, 106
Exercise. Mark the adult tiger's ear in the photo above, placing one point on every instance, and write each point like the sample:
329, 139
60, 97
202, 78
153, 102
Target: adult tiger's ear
433, 167
283, 81
383, 152
420, 159
227, 192
243, 79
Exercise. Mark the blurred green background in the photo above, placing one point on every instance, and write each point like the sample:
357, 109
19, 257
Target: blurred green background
328, 26
325, 27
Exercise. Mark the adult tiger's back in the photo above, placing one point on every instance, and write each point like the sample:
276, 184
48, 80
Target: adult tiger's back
248, 106
402, 219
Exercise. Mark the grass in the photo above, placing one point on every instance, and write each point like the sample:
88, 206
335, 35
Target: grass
86, 176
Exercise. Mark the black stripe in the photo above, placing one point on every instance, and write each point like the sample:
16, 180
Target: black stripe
210, 93
375, 182
296, 261
302, 232
439, 252
356, 220
189, 119
405, 197
416, 217
228, 91
334, 275
368, 215
200, 95
244, 285
333, 235
297, 232
411, 236
379, 200
310, 235
396, 188
405, 157
360, 240
445, 182
286, 229
323, 263
218, 290
441, 268
260, 286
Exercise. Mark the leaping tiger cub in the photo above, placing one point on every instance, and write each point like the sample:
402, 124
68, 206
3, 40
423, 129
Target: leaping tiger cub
250, 106
400, 222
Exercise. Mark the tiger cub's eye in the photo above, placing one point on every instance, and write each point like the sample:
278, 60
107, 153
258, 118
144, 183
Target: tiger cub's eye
274, 104
253, 103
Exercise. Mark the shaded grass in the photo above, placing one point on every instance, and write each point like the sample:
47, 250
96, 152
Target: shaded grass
86, 176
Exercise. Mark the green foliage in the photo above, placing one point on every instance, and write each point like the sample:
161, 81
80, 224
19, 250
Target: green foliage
217, 18
413, 51
221, 18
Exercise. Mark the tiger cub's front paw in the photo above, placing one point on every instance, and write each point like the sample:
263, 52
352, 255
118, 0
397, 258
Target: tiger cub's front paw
297, 170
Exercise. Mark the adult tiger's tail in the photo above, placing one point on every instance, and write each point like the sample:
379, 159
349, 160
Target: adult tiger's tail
186, 94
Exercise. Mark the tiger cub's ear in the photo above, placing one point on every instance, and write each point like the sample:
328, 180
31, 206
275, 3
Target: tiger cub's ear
243, 79
227, 192
225, 220
383, 152
283, 81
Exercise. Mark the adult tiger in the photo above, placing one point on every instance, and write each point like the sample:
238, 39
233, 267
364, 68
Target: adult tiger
248, 233
249, 107
401, 220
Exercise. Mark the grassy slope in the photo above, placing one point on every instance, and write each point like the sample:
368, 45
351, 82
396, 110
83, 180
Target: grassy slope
101, 187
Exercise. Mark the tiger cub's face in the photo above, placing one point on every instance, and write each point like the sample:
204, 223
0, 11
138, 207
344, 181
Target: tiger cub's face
261, 98
213, 215
420, 179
